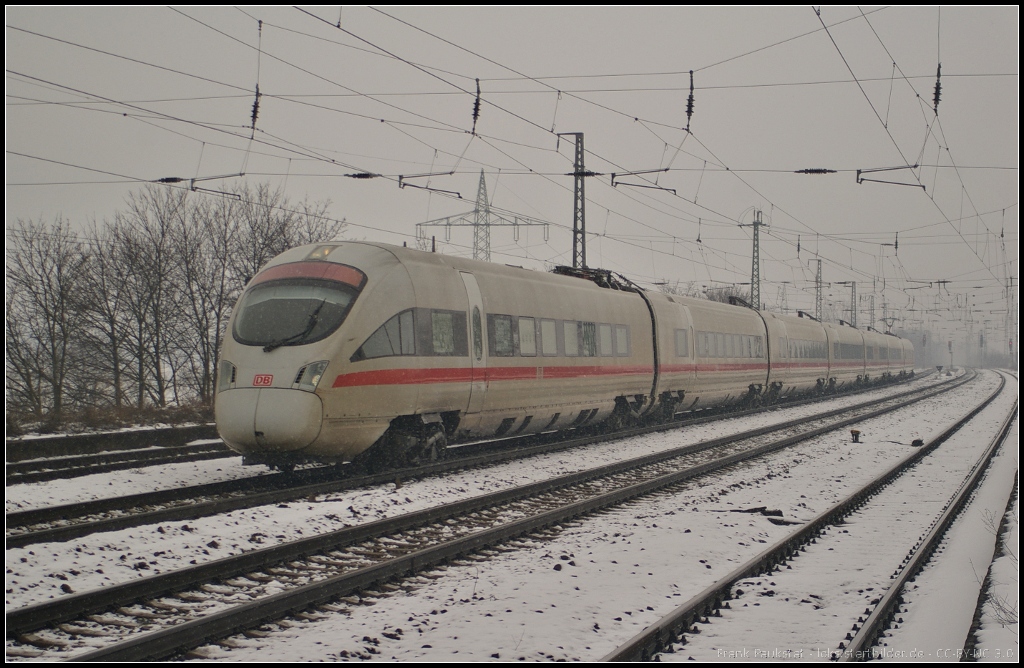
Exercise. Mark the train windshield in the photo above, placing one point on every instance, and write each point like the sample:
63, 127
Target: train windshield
291, 312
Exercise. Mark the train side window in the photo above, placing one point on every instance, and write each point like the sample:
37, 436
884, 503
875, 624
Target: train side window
501, 335
394, 337
604, 340
719, 344
682, 345
548, 338
527, 337
622, 340
442, 327
407, 333
572, 338
589, 340
702, 344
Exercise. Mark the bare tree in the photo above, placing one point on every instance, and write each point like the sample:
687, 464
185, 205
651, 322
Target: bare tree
268, 225
45, 264
103, 301
144, 235
723, 293
23, 363
697, 291
135, 312
313, 225
263, 229
203, 245
688, 289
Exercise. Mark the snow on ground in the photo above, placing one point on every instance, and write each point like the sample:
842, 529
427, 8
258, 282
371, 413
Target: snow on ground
955, 576
805, 611
599, 581
1000, 621
36, 573
128, 481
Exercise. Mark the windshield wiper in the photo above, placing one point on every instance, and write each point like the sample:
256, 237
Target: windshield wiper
314, 317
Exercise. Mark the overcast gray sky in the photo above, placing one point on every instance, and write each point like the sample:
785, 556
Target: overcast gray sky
103, 100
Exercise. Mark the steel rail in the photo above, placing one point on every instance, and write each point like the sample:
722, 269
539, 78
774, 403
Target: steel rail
19, 449
861, 647
645, 645
76, 466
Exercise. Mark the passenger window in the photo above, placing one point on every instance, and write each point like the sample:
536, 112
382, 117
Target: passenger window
572, 339
407, 333
604, 335
682, 345
394, 337
548, 337
622, 340
589, 339
527, 337
443, 332
501, 335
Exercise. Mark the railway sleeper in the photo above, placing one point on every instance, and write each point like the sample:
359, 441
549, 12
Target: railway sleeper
143, 614
108, 620
82, 631
37, 640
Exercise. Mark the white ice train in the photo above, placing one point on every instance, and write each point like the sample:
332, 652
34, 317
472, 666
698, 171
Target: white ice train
339, 349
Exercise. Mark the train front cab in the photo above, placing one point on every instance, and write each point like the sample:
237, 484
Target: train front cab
278, 350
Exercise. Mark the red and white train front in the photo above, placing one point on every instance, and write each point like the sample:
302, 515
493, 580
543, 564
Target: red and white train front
277, 350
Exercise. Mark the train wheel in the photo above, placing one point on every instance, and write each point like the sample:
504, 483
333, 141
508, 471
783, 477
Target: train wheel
433, 444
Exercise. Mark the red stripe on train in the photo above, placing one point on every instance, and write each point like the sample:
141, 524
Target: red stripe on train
465, 375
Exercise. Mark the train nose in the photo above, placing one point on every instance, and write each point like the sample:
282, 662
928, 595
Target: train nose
268, 419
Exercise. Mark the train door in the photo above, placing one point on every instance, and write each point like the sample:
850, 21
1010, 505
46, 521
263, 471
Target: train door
477, 345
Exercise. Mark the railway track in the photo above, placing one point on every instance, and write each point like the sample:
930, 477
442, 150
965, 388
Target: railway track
865, 528
72, 466
164, 615
65, 522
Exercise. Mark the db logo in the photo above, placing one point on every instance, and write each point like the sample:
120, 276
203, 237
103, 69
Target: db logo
262, 380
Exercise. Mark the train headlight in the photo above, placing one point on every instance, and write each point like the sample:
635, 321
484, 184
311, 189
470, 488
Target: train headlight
309, 376
225, 375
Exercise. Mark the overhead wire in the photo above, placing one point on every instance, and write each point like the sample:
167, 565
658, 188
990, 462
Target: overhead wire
605, 207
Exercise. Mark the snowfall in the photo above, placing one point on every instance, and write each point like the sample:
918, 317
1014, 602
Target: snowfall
578, 592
